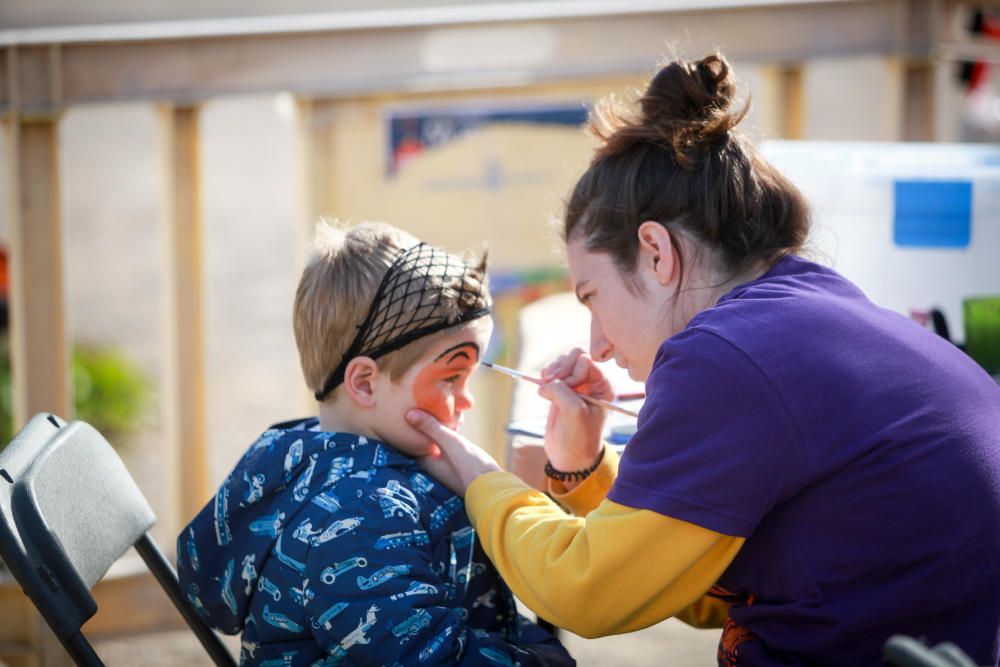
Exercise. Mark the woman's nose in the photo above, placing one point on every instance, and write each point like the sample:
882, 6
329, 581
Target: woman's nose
600, 346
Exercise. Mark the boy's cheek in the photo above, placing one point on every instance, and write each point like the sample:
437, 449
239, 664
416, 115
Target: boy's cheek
430, 398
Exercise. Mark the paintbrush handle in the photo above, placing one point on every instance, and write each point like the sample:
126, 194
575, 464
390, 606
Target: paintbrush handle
607, 404
587, 399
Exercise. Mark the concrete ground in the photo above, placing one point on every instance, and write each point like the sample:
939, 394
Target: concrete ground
669, 643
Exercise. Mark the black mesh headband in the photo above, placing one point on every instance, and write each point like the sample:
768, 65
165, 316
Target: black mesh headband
404, 310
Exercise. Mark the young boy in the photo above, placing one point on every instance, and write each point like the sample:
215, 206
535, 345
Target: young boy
327, 544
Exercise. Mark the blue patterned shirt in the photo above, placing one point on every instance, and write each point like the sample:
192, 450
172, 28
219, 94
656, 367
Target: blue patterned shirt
330, 548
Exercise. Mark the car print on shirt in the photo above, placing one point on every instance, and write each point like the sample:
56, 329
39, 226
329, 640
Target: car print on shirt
445, 511
406, 539
435, 644
293, 457
223, 535
267, 439
410, 627
329, 574
416, 588
337, 529
422, 483
327, 500
395, 499
280, 621
339, 468
192, 551
267, 586
325, 619
301, 490
380, 577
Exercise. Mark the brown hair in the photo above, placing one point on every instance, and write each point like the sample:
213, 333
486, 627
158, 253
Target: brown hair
337, 288
679, 161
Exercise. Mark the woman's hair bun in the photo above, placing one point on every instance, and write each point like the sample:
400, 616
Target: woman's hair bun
687, 105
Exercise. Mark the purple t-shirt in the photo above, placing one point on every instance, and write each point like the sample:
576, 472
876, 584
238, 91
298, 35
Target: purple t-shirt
857, 452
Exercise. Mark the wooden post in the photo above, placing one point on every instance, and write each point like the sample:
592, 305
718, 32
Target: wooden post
184, 324
40, 350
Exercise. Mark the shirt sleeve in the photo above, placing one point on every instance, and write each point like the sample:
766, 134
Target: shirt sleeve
378, 597
716, 445
618, 570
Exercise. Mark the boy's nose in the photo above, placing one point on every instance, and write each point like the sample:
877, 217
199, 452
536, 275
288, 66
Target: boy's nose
600, 346
463, 401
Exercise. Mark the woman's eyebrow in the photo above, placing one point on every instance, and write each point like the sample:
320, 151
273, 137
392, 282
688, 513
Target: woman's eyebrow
460, 351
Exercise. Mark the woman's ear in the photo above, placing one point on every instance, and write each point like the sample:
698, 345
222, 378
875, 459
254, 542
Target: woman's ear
359, 380
657, 253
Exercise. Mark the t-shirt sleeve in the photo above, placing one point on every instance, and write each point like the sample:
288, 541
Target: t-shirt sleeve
715, 444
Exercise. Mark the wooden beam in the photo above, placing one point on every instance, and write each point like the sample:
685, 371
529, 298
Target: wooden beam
183, 272
427, 57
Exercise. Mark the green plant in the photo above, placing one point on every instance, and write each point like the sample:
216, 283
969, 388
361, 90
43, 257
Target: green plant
109, 392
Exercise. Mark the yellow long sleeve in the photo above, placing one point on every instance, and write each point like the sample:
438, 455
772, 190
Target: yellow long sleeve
617, 570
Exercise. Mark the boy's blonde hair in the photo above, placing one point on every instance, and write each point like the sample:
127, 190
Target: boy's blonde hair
340, 282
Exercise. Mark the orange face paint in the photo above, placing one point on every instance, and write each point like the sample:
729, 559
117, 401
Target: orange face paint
439, 387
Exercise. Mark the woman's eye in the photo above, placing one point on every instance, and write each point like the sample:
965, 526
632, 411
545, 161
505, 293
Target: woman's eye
451, 379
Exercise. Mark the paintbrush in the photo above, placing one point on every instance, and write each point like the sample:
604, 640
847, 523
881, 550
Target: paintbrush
587, 399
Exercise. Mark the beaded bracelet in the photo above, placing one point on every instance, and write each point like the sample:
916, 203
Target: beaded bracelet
573, 475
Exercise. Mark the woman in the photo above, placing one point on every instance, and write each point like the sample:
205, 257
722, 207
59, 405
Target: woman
810, 470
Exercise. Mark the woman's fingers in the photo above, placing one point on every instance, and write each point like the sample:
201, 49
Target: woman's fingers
436, 432
559, 392
441, 469
466, 459
562, 366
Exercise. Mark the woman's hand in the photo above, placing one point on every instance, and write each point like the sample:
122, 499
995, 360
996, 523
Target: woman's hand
574, 428
460, 461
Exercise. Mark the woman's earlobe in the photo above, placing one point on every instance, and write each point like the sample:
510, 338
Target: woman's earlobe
655, 242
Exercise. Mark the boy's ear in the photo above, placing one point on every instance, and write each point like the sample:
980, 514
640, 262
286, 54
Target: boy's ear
359, 380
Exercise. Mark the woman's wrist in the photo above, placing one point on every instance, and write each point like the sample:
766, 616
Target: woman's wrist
573, 473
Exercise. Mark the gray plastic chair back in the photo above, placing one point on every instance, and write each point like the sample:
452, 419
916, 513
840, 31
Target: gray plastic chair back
80, 491
68, 510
